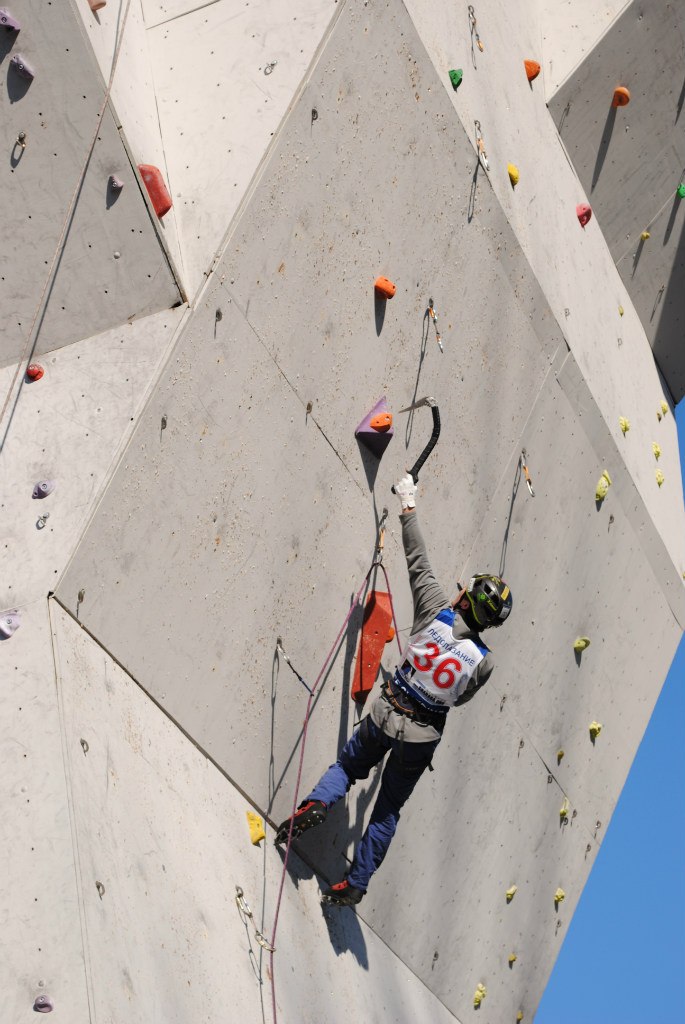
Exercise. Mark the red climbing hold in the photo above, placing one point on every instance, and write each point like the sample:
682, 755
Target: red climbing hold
583, 213
532, 69
621, 97
34, 371
376, 632
157, 190
385, 288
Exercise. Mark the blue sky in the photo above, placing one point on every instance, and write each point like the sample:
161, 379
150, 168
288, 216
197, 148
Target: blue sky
623, 960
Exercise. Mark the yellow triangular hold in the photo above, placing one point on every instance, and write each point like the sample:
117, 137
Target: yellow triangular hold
563, 810
256, 827
657, 450
513, 172
559, 896
664, 408
479, 995
595, 729
512, 958
659, 477
581, 643
624, 424
511, 892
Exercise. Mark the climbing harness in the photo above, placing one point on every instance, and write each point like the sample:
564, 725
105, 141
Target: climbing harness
480, 145
474, 30
433, 316
433, 406
526, 474
247, 915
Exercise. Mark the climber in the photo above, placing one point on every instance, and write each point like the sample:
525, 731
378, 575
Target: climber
445, 663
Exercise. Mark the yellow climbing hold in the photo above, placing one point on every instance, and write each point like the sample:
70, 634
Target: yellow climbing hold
595, 729
563, 810
644, 236
621, 311
659, 477
603, 485
512, 958
511, 892
256, 827
624, 424
559, 896
664, 408
657, 450
513, 174
560, 754
581, 643
479, 995
519, 1016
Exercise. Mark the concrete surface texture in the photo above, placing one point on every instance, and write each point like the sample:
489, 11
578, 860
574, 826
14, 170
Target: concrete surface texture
211, 497
631, 160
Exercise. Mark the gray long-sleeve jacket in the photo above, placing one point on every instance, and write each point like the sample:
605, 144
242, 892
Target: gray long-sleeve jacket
429, 600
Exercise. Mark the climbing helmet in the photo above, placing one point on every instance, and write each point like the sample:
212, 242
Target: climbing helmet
490, 599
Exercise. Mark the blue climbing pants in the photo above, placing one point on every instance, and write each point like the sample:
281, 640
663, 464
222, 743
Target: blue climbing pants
363, 751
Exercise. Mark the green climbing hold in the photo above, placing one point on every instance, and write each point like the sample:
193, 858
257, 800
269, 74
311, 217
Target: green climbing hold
456, 77
680, 189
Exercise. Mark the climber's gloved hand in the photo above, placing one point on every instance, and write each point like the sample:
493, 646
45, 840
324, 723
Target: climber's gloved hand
405, 489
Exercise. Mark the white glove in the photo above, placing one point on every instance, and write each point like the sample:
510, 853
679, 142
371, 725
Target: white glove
405, 489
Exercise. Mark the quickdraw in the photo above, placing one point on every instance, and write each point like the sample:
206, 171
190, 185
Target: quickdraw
434, 318
474, 30
526, 474
247, 915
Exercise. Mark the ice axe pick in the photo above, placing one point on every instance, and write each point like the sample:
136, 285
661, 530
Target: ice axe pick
433, 406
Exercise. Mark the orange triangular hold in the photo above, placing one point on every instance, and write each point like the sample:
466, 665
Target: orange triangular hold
532, 69
621, 97
376, 633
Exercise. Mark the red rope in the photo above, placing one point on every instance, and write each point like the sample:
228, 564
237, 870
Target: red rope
302, 745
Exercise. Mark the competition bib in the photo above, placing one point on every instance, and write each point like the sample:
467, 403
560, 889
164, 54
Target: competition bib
437, 668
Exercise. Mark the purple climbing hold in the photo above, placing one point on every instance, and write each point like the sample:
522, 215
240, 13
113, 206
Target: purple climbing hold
22, 68
376, 438
7, 22
10, 621
43, 1004
43, 488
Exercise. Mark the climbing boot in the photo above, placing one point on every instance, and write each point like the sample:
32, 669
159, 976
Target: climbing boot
307, 815
342, 894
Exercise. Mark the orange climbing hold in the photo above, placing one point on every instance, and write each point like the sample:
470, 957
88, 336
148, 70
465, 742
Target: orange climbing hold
156, 188
376, 633
34, 371
382, 422
621, 97
384, 287
532, 69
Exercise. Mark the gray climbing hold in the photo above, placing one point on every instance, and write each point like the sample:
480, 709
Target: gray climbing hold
10, 621
7, 22
43, 488
43, 1004
22, 68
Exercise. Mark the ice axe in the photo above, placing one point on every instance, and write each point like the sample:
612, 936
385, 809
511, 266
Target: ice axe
433, 406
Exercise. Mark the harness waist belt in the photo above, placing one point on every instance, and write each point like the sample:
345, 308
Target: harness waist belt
404, 701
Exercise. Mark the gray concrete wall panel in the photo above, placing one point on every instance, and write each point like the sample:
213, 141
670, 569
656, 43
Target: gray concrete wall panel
166, 836
628, 192
570, 29
93, 289
133, 97
68, 427
579, 282
41, 950
217, 132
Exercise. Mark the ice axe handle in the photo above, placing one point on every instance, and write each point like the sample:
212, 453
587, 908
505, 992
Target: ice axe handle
418, 465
